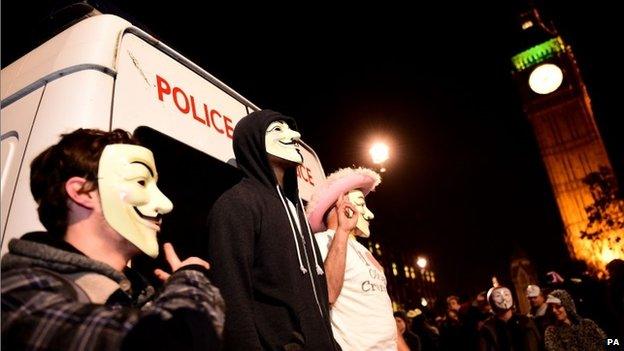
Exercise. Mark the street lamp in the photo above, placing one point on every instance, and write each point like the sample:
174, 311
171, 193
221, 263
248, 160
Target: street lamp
380, 153
421, 262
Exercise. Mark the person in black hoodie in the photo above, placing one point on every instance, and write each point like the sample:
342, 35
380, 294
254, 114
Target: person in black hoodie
507, 330
269, 264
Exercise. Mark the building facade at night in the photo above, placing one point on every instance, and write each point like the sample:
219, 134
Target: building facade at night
411, 282
558, 106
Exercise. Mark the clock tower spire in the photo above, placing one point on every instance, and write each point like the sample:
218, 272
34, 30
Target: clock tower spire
557, 104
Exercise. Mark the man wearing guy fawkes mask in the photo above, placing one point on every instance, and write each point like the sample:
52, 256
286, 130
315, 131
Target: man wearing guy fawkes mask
270, 271
507, 330
361, 310
70, 288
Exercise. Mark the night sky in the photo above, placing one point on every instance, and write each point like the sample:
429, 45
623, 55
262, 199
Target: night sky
465, 185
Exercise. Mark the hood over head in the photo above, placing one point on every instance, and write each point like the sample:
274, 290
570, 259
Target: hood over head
250, 150
566, 301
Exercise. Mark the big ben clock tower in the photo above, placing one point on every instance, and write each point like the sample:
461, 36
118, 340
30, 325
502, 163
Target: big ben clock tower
556, 102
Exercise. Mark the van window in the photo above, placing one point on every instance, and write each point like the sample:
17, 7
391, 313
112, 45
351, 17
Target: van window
193, 181
8, 148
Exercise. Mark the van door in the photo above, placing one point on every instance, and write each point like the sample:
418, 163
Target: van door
16, 124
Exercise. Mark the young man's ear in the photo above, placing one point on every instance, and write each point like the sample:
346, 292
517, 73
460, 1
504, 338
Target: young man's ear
77, 190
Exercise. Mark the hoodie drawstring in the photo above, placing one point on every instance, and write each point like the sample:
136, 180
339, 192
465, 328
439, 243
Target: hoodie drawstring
319, 270
292, 228
303, 270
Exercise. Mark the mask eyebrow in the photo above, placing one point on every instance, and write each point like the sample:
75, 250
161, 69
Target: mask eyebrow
277, 124
146, 166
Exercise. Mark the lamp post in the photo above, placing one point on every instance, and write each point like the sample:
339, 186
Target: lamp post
422, 263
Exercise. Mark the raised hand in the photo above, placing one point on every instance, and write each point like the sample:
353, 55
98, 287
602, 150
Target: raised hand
175, 263
347, 214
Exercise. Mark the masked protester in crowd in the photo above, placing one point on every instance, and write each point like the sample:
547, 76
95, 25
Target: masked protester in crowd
571, 332
270, 270
361, 310
506, 330
70, 288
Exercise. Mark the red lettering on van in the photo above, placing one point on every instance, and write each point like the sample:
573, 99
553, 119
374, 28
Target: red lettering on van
228, 126
176, 92
163, 87
214, 125
305, 173
195, 116
206, 113
310, 180
186, 103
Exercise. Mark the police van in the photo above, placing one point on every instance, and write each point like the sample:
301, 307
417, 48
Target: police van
103, 72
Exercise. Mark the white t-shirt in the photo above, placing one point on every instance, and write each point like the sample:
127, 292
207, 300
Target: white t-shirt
362, 316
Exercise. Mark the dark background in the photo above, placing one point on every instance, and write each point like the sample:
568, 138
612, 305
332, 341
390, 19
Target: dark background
465, 185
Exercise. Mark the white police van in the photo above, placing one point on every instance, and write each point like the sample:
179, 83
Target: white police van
103, 72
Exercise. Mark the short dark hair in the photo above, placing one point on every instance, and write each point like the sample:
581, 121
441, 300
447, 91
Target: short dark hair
451, 298
77, 154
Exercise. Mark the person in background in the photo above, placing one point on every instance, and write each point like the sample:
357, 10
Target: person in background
571, 331
472, 320
452, 303
539, 308
70, 288
453, 333
428, 334
506, 330
405, 335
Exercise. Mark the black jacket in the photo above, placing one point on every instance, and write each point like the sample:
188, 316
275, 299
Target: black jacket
518, 333
270, 273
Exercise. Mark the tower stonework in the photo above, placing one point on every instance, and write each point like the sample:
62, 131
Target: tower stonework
522, 274
558, 106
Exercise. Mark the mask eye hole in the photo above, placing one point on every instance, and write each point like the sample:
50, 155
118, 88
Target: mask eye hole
141, 182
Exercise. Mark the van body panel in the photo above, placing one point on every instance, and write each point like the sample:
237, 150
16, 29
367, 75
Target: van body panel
154, 90
92, 41
82, 99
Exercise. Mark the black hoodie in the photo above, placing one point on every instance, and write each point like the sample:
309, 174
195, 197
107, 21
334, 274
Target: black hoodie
269, 273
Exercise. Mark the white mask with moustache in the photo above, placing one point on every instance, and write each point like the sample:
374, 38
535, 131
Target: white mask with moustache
283, 142
132, 203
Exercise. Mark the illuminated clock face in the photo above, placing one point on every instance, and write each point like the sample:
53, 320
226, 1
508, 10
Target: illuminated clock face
545, 78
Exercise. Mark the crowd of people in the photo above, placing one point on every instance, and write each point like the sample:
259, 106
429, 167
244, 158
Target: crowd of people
491, 321
273, 273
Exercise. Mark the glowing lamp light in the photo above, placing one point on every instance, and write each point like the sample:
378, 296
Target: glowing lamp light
545, 78
379, 152
421, 262
526, 25
423, 302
